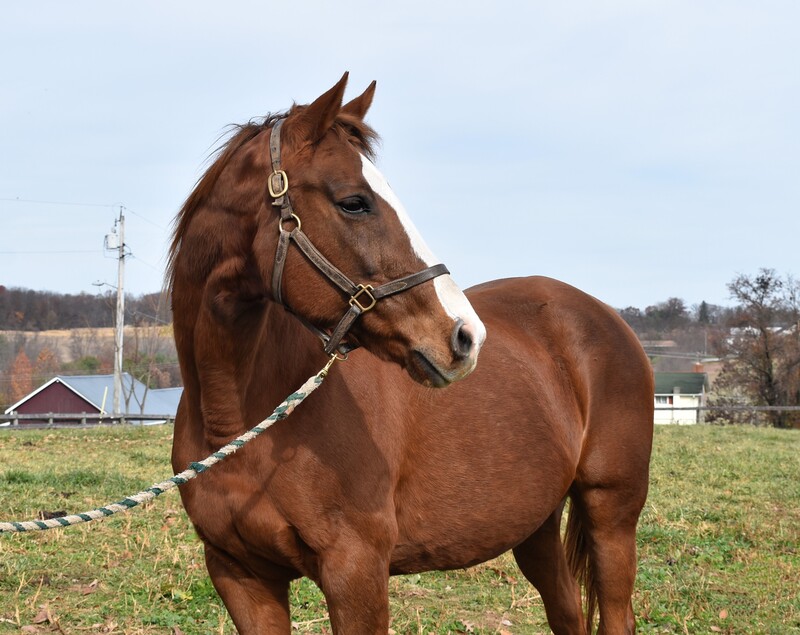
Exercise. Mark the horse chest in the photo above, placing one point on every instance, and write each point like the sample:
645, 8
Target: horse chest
231, 514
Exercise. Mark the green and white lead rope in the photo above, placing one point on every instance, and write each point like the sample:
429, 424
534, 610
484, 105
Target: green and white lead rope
281, 412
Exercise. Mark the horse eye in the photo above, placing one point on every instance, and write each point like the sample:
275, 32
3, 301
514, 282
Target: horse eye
354, 205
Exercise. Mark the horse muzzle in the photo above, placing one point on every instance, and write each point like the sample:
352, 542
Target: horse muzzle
439, 369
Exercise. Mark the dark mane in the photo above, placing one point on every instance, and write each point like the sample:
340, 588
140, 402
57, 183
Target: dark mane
346, 126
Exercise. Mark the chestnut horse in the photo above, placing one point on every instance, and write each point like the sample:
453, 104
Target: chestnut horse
412, 456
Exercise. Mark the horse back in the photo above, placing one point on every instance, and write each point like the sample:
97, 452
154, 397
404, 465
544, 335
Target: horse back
591, 354
596, 350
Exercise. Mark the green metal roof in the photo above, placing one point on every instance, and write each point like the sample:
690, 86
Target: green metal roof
688, 383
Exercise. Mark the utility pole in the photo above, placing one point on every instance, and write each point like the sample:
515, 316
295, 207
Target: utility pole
115, 241
120, 321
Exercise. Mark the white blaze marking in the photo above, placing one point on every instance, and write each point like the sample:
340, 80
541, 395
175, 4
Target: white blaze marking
452, 299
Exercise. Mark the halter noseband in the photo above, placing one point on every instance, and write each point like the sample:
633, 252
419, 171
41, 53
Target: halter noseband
363, 297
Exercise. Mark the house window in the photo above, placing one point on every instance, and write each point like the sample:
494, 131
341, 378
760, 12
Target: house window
664, 400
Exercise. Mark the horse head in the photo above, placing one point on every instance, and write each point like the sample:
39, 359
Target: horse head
330, 240
343, 207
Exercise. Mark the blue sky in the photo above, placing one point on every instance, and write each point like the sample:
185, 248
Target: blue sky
635, 150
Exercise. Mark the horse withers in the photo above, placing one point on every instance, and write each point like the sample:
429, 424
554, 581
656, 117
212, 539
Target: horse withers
413, 456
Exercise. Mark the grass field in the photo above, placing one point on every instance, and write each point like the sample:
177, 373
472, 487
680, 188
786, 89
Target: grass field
719, 545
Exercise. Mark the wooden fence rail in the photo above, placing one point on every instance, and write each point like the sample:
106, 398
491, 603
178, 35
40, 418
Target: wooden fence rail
737, 408
742, 414
58, 419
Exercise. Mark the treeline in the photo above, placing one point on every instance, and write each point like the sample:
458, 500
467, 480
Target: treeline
29, 356
658, 320
665, 318
27, 310
756, 341
677, 336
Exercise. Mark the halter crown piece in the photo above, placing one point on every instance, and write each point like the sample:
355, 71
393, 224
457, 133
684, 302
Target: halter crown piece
363, 297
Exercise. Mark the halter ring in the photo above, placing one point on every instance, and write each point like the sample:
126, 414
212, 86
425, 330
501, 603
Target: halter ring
293, 217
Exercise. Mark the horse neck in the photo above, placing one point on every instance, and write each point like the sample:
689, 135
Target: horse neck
283, 356
240, 353
235, 374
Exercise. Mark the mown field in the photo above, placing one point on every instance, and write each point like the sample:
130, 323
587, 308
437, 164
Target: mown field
719, 545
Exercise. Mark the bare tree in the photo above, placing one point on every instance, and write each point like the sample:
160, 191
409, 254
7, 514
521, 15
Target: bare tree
762, 352
82, 342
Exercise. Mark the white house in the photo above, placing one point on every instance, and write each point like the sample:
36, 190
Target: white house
675, 391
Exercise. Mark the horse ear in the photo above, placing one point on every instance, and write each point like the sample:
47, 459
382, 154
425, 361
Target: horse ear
315, 120
360, 105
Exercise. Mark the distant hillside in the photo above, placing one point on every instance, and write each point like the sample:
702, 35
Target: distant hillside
70, 345
27, 310
30, 358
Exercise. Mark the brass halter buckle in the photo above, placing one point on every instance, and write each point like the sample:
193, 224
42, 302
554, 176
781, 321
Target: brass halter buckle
363, 289
282, 180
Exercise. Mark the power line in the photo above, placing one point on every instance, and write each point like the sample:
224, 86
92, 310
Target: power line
145, 219
73, 204
46, 252
65, 203
144, 262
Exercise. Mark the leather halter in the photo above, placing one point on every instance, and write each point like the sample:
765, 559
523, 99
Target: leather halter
363, 297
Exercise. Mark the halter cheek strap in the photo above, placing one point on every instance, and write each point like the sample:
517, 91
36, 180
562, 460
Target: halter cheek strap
363, 297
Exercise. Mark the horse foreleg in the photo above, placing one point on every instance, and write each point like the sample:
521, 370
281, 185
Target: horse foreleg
256, 605
355, 580
542, 560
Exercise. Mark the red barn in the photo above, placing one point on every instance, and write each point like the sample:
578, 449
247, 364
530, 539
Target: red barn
92, 394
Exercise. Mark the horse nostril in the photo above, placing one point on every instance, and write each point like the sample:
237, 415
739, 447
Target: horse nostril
462, 341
